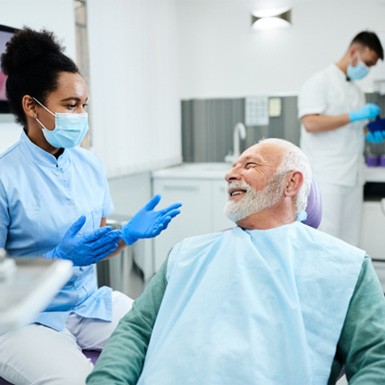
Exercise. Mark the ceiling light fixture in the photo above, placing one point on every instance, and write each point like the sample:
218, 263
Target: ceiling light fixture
270, 18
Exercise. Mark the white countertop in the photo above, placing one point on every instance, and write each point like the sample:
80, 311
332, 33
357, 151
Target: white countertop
375, 174
218, 170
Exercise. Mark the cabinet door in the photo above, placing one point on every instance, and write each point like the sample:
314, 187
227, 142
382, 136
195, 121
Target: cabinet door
372, 230
195, 217
219, 198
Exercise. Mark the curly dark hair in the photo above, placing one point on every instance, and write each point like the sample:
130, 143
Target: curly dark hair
33, 60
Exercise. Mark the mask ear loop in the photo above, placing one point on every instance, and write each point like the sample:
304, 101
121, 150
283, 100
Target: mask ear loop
41, 105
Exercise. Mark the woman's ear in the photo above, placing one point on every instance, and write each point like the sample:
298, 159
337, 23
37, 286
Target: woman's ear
29, 106
294, 183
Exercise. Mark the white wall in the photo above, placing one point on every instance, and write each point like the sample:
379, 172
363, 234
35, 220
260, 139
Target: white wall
133, 84
146, 55
220, 56
57, 17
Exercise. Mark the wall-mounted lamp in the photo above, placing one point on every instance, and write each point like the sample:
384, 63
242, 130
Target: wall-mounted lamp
270, 18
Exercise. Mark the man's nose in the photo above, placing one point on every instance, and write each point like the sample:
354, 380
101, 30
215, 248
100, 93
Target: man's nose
232, 174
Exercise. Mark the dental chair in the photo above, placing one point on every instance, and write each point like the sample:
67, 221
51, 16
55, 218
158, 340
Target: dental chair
314, 215
314, 207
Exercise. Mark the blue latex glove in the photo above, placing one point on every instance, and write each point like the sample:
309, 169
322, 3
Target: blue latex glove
368, 111
147, 223
87, 249
375, 137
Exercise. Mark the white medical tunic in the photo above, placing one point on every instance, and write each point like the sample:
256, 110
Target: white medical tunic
335, 156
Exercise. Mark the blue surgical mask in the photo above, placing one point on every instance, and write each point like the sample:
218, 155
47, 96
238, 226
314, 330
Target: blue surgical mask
70, 129
359, 71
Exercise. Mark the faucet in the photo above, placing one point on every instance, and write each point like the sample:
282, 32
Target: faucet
238, 133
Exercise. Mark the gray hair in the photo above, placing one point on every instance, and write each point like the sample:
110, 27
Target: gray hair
294, 159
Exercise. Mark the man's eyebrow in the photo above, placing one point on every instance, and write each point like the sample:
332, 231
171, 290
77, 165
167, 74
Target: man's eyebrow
255, 159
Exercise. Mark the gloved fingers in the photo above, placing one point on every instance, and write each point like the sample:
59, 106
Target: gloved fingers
97, 234
104, 251
112, 237
171, 208
95, 256
75, 227
156, 229
171, 214
166, 220
374, 109
151, 204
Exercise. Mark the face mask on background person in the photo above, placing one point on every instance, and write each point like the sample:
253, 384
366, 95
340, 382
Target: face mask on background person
69, 131
359, 71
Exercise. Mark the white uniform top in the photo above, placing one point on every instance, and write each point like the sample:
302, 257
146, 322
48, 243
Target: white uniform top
335, 156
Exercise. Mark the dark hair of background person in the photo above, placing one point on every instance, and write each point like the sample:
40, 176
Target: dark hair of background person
32, 61
370, 39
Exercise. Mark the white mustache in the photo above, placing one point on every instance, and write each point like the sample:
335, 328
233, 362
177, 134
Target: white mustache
238, 185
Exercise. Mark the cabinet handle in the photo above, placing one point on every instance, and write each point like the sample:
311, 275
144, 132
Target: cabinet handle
180, 188
378, 260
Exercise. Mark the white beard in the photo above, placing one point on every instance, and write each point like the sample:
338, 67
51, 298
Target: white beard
253, 201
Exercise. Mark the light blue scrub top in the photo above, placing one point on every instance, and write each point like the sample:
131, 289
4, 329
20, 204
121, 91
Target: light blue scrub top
40, 197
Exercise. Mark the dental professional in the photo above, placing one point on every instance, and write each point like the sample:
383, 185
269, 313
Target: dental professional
333, 115
54, 200
272, 301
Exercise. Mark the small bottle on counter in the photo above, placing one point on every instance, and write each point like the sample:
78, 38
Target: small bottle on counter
373, 154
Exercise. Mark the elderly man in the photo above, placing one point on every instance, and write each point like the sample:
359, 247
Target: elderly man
271, 301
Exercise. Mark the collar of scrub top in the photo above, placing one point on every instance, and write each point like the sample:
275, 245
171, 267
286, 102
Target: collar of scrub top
38, 155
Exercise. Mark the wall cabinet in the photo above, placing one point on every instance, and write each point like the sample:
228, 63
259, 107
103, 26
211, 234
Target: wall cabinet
203, 200
372, 238
373, 230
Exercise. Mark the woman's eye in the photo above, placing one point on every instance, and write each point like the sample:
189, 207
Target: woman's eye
71, 106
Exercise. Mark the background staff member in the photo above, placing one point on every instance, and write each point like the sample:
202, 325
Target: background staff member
333, 114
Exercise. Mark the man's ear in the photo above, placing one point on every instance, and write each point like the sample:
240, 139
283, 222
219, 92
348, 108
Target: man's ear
294, 183
29, 106
353, 54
